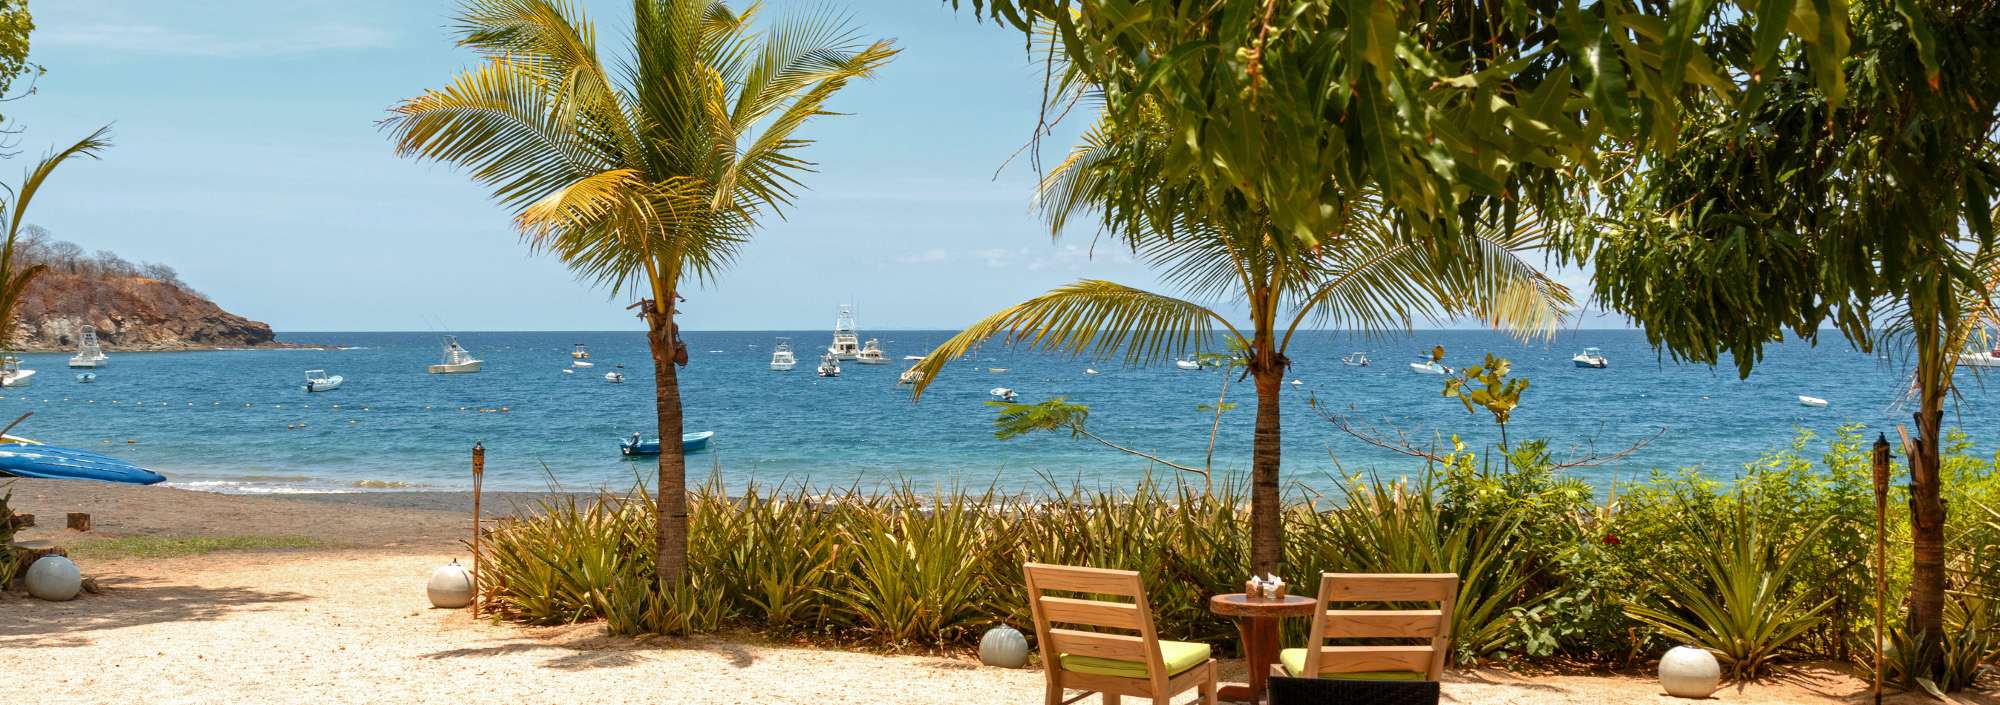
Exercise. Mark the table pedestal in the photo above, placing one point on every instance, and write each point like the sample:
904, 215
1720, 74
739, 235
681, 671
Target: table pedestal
1259, 620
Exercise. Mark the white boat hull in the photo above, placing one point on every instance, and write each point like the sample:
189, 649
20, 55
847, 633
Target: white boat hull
1979, 359
614, 378
458, 369
580, 363
17, 379
1597, 363
784, 366
86, 362
1187, 365
871, 361
327, 384
1424, 369
1812, 401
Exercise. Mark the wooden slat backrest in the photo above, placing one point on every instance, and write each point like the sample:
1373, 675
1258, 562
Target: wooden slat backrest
1432, 624
1050, 610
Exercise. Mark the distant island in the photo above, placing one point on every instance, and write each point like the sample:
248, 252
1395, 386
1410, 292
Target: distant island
134, 307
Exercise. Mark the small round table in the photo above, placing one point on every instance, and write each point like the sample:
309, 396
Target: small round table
1258, 619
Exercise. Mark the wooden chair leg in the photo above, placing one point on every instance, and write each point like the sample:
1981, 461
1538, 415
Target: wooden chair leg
1055, 693
1208, 686
1111, 698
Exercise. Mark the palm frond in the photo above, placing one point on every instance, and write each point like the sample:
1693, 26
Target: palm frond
1089, 318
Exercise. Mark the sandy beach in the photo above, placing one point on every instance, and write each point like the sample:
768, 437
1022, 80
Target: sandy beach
351, 625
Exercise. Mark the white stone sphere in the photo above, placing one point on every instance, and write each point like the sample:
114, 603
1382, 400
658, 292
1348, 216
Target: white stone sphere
54, 578
1690, 672
451, 586
1003, 646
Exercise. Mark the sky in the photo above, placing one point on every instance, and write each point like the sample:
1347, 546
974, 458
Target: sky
249, 156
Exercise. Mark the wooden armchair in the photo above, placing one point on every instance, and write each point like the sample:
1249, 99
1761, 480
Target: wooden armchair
1376, 662
1138, 664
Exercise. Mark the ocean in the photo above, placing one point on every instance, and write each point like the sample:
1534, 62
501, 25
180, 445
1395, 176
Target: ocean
238, 420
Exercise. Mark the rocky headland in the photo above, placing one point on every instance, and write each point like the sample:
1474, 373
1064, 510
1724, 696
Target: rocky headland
133, 307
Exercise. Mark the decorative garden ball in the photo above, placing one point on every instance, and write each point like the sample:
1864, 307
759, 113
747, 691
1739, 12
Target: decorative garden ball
54, 578
451, 586
1003, 646
1690, 672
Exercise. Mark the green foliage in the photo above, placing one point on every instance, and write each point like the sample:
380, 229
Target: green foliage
16, 24
1742, 605
1487, 386
179, 546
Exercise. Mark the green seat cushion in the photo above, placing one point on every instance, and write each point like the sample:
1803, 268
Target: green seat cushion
1179, 656
1295, 663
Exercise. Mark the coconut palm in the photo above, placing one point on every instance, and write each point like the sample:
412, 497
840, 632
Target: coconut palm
1365, 275
645, 174
14, 282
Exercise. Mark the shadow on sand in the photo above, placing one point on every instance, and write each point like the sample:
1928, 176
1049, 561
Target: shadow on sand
129, 602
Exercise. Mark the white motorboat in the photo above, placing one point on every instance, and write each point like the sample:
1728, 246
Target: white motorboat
1357, 359
1003, 393
1189, 364
86, 377
871, 354
846, 344
457, 360
911, 376
1429, 368
1590, 358
1811, 401
829, 366
997, 370
88, 354
11, 374
913, 358
1089, 371
614, 378
581, 363
1983, 358
580, 353
318, 381
781, 357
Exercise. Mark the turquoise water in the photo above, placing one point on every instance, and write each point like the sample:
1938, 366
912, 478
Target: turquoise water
231, 420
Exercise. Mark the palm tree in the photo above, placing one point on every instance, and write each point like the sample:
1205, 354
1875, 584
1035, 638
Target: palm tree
13, 283
645, 175
1364, 275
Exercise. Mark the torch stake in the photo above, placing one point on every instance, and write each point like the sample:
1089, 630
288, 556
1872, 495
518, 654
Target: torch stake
478, 474
1882, 458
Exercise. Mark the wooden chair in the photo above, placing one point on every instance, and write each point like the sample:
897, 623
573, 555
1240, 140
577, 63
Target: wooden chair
1376, 662
1115, 664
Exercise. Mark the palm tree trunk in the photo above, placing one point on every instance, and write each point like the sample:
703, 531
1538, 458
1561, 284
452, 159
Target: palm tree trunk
1267, 539
1927, 573
670, 513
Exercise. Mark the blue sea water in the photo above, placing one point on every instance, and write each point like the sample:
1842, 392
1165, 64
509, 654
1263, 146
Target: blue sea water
238, 420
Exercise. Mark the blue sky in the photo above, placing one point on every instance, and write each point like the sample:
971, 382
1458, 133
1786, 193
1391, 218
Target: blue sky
249, 157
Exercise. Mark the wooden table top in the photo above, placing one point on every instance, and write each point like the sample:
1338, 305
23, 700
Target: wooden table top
1237, 604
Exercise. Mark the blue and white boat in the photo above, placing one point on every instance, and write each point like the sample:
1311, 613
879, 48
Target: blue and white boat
86, 377
42, 462
689, 443
1591, 358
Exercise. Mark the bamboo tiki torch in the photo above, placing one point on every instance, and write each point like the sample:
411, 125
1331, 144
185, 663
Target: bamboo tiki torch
478, 474
1881, 552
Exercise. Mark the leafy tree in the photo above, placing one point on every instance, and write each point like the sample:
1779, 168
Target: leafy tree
1362, 276
1870, 210
15, 278
645, 175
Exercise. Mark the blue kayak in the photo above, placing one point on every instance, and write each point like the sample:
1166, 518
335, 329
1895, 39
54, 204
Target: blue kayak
689, 444
52, 463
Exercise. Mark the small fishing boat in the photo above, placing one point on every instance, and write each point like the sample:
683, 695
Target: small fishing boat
1089, 371
781, 357
690, 443
1590, 358
86, 377
1811, 401
1297, 383
579, 353
846, 343
614, 378
457, 360
871, 354
1003, 393
1189, 364
1356, 359
997, 370
11, 374
913, 358
317, 381
569, 372
33, 460
910, 376
828, 366
88, 354
582, 363
1983, 358
1429, 368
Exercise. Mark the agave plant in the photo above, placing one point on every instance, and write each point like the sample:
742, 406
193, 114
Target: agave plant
1743, 605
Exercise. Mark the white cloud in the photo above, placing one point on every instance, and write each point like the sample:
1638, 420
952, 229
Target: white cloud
153, 39
921, 257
